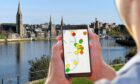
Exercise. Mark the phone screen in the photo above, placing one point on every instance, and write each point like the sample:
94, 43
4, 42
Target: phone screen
76, 51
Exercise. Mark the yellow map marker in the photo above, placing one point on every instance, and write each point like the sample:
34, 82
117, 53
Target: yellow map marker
75, 62
68, 65
76, 52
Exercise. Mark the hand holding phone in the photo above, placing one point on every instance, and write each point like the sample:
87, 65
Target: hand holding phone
76, 50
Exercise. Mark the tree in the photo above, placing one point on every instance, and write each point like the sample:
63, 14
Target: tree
131, 54
39, 68
118, 60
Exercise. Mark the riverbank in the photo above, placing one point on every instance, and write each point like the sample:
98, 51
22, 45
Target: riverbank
25, 39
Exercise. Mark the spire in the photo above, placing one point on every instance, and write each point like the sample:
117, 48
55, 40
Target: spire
62, 23
19, 8
19, 26
50, 20
50, 26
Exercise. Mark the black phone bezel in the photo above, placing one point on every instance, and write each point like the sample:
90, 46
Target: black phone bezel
74, 27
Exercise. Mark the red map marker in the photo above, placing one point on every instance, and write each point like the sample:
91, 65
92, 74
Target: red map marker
73, 34
85, 33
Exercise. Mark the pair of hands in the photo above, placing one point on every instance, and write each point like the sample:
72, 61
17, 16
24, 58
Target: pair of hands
56, 74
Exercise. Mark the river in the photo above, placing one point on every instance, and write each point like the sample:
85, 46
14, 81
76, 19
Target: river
15, 56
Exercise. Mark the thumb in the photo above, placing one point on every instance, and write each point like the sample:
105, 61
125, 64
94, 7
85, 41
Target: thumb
57, 56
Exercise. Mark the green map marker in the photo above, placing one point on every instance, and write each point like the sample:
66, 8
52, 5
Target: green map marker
81, 41
75, 44
67, 70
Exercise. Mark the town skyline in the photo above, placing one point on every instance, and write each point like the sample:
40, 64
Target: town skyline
21, 31
36, 14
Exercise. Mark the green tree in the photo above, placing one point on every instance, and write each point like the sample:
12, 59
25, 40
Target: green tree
118, 60
131, 54
39, 68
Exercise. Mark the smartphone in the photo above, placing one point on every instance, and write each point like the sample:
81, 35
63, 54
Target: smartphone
76, 51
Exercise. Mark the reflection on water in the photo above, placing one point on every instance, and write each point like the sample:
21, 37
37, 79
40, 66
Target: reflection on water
14, 57
19, 49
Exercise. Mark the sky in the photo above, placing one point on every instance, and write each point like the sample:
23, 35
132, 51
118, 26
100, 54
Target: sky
73, 11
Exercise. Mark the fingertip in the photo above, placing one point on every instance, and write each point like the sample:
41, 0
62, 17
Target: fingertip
90, 31
93, 36
59, 38
59, 44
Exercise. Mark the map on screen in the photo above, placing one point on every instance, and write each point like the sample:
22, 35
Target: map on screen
76, 51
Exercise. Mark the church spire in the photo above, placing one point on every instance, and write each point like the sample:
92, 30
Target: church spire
19, 8
19, 25
62, 23
50, 20
50, 26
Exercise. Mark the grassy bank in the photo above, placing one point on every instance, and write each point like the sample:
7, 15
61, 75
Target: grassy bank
81, 80
25, 39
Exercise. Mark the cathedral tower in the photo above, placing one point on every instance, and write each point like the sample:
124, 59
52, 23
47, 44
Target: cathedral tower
50, 26
62, 24
19, 25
